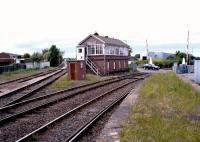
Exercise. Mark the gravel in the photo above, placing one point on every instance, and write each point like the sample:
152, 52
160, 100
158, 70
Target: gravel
28, 123
10, 98
63, 129
30, 105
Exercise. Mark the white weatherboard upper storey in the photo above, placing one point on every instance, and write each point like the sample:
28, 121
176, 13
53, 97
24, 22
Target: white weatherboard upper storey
80, 53
197, 71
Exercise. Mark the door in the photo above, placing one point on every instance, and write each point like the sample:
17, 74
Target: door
73, 71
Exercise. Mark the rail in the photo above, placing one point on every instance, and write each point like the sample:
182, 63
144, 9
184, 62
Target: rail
19, 114
67, 114
25, 91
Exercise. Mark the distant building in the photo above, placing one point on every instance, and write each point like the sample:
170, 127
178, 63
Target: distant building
160, 55
103, 54
8, 58
10, 55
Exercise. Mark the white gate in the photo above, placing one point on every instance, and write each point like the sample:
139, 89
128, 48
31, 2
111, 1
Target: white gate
197, 71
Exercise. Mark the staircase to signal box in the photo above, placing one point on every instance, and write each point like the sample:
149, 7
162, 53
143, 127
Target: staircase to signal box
92, 66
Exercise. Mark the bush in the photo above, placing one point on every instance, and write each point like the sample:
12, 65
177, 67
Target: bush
141, 62
162, 63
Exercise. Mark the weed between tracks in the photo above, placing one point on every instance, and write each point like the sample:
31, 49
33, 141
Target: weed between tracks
20, 73
63, 82
17, 73
167, 110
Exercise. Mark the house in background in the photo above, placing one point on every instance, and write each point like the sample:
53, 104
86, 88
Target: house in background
102, 54
159, 55
9, 58
10, 55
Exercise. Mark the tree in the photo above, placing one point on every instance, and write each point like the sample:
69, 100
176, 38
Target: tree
46, 54
55, 56
129, 51
137, 56
26, 55
37, 57
180, 54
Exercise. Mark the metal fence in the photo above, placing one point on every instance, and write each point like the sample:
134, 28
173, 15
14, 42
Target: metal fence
183, 68
12, 67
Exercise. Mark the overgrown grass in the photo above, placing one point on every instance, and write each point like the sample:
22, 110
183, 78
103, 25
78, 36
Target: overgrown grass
21, 72
162, 112
92, 77
62, 82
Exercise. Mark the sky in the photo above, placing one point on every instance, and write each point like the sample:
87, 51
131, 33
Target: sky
32, 25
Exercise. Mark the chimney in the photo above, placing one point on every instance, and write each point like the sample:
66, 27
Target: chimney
96, 34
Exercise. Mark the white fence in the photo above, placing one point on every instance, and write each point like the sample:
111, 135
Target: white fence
197, 71
40, 65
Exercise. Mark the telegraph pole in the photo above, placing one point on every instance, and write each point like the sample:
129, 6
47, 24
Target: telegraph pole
188, 34
147, 47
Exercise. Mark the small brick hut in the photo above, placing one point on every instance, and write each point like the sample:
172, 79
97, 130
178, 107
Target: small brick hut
76, 69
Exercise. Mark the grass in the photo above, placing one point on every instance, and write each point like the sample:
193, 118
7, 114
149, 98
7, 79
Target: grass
17, 73
162, 111
21, 73
92, 77
62, 82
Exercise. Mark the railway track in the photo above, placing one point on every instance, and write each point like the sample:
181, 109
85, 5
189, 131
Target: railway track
26, 78
29, 90
36, 118
18, 109
71, 125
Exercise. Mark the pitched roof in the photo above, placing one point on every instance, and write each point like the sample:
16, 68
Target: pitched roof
112, 41
107, 40
11, 54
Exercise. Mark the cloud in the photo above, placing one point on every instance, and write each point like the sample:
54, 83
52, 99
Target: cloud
38, 46
29, 26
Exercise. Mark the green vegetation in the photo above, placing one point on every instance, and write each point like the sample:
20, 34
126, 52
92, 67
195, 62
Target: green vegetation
53, 55
26, 55
92, 77
162, 63
164, 112
37, 57
137, 56
141, 62
62, 83
17, 73
167, 63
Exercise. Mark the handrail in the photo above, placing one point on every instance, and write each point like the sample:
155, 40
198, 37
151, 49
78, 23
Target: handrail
92, 66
